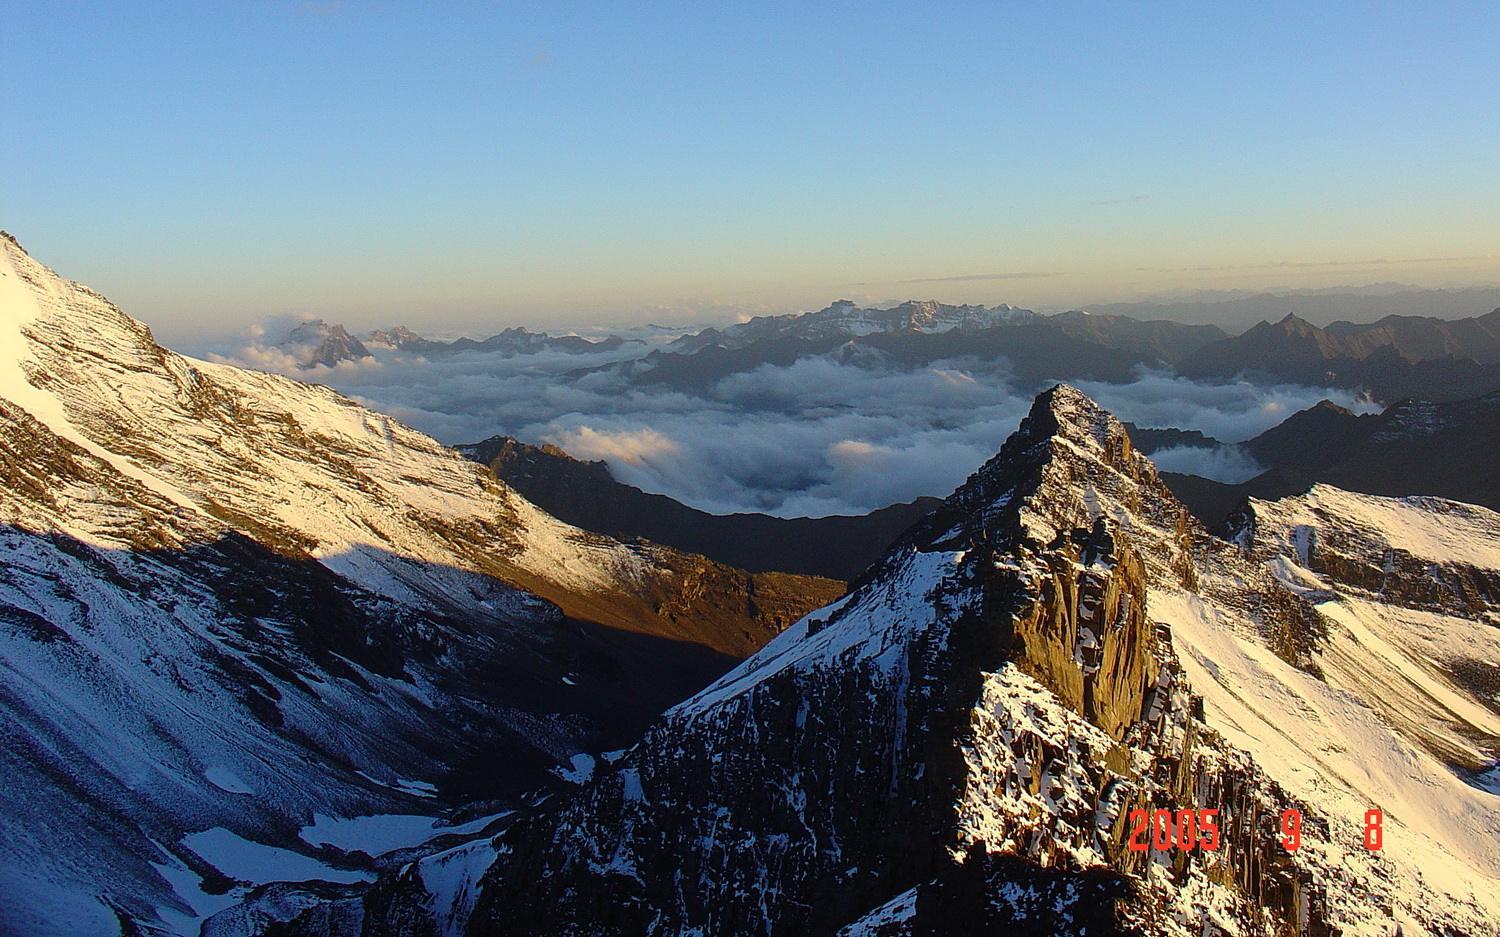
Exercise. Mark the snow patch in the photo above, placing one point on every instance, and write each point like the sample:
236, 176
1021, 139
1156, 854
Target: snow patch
382, 833
580, 770
226, 780
249, 861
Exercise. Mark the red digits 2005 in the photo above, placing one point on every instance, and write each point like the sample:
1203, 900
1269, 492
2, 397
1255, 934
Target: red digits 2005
1182, 829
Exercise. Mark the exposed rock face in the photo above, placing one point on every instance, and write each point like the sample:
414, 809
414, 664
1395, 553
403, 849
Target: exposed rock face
955, 746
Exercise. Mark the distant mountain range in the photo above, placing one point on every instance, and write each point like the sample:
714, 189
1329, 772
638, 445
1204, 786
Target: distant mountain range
316, 343
515, 341
1397, 357
847, 319
1393, 358
1413, 447
1028, 347
1234, 311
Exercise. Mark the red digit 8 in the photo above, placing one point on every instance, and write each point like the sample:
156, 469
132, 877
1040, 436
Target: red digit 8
1374, 835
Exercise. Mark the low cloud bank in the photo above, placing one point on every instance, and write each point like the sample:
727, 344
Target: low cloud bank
811, 438
1221, 463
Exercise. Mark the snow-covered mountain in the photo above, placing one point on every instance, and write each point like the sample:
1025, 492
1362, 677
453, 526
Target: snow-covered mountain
317, 343
1408, 591
513, 341
847, 319
239, 612
959, 744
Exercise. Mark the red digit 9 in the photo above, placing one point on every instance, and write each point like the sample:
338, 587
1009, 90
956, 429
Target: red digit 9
1291, 830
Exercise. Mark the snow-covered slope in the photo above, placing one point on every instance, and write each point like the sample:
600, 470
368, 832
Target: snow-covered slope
1406, 589
956, 746
231, 603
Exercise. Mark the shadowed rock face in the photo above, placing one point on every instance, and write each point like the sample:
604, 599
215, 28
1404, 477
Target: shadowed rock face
1398, 357
231, 601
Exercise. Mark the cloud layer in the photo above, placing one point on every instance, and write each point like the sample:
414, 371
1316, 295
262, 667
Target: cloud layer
811, 438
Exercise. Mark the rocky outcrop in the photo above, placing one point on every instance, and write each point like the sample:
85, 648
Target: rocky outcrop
1354, 542
955, 745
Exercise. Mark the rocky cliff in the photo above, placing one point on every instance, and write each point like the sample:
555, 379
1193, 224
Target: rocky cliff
957, 746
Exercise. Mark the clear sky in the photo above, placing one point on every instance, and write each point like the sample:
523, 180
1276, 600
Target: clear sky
468, 164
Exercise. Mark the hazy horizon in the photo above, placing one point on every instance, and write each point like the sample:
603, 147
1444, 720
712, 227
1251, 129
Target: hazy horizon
476, 167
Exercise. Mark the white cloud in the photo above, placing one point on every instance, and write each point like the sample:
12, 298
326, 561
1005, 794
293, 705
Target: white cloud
814, 437
1221, 463
638, 447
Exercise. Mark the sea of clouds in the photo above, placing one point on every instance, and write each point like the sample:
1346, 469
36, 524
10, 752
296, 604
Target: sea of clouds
812, 438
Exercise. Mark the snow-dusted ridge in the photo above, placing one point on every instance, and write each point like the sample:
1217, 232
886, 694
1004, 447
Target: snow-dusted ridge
231, 602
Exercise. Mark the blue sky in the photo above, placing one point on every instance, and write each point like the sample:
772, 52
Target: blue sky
472, 164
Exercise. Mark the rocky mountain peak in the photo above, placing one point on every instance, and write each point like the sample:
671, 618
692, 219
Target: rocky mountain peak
1070, 465
398, 337
1295, 324
991, 701
1326, 405
315, 342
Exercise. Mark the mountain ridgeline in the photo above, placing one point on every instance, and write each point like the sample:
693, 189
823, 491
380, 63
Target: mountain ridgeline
272, 663
1395, 358
231, 602
959, 744
586, 494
